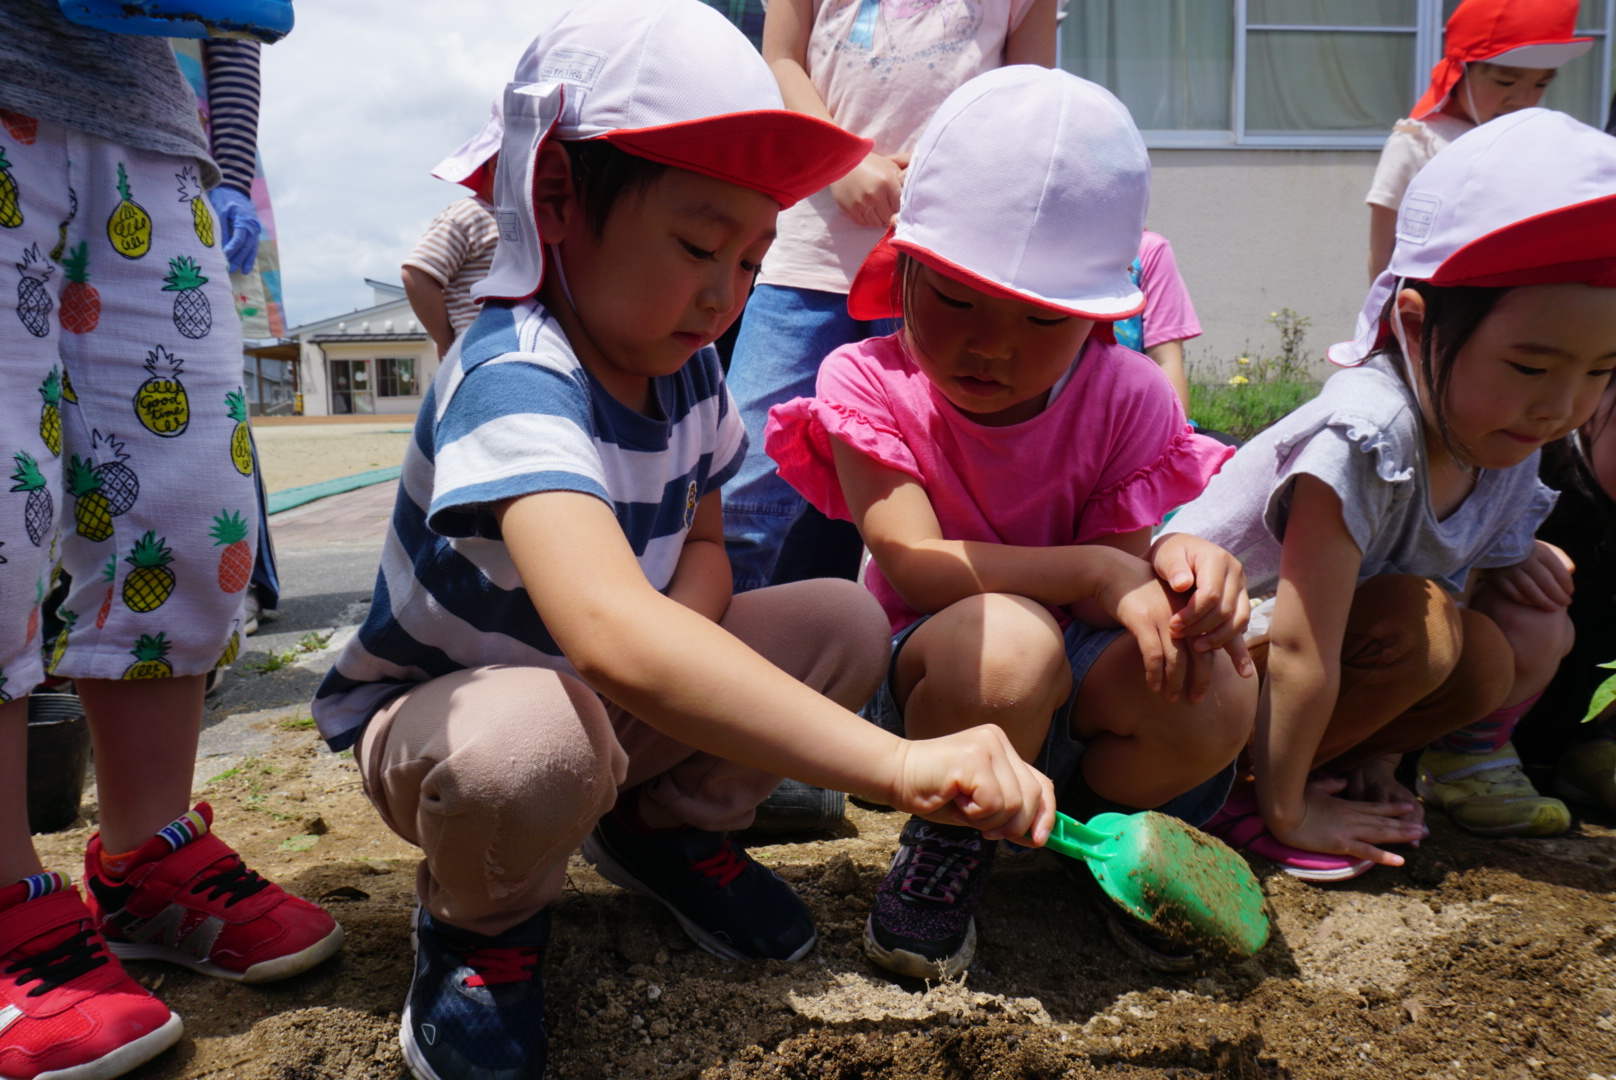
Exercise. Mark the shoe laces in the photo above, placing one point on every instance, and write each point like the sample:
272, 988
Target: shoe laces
61, 963
939, 867
235, 881
499, 964
723, 867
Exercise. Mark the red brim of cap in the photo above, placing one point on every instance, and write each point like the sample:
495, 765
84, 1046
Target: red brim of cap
786, 155
1569, 244
876, 291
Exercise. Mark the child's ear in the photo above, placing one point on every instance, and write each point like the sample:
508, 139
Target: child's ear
555, 202
1411, 312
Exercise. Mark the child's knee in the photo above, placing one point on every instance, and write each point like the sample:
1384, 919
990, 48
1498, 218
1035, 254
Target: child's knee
1403, 626
1223, 720
1023, 656
1538, 639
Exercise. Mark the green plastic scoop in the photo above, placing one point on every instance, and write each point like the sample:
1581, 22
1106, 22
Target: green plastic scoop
1186, 884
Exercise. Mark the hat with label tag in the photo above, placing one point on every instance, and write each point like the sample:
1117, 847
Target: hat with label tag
1030, 184
1526, 199
668, 80
1510, 33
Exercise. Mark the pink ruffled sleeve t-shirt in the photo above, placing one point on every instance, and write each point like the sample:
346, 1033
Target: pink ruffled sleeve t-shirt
1110, 454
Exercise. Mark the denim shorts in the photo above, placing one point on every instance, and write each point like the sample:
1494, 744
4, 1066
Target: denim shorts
1062, 750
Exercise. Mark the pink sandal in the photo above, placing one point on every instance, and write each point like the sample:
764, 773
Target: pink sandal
1240, 826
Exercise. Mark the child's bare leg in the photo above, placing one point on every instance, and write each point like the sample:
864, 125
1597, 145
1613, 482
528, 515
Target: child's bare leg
145, 734
17, 858
1541, 639
989, 659
1143, 749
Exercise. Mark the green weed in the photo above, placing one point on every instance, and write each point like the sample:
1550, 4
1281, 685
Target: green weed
273, 661
313, 641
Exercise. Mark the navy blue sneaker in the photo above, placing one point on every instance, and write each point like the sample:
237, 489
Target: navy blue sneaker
476, 1003
729, 903
924, 921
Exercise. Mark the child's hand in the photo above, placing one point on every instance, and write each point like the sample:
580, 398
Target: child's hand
1543, 581
1213, 584
1337, 826
1376, 781
1147, 607
869, 194
975, 778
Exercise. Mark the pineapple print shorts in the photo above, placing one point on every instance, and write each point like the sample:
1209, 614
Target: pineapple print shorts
123, 442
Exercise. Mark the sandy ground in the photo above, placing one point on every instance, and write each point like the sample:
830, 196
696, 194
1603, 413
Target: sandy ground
1477, 960
293, 455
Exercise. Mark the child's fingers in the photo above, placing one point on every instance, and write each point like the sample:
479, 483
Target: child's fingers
1541, 573
1505, 584
1236, 648
1359, 850
1200, 668
1150, 653
1532, 593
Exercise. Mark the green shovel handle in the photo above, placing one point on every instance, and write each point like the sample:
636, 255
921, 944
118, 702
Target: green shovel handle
1071, 837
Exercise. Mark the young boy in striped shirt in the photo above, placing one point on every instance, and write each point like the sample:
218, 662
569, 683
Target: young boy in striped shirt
554, 654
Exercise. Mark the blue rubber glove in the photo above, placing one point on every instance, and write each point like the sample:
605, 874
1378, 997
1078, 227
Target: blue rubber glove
241, 227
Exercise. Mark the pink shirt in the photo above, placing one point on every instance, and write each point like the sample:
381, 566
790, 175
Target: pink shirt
1168, 315
1110, 454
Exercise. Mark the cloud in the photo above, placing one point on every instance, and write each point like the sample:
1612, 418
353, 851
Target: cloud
360, 102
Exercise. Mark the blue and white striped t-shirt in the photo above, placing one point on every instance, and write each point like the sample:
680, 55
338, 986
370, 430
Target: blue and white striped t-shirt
512, 412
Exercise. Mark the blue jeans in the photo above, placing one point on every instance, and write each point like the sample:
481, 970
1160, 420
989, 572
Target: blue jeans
785, 333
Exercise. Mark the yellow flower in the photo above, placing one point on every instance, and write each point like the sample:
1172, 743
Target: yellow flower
1238, 380
1244, 360
1273, 314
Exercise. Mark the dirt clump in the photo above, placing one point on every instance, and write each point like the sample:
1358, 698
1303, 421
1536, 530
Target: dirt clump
1478, 960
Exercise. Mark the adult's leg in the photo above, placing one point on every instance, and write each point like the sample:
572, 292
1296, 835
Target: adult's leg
829, 634
785, 334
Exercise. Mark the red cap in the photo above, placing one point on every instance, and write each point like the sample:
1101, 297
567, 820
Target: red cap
1516, 33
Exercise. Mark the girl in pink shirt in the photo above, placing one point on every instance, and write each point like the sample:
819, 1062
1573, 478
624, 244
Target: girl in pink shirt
1005, 462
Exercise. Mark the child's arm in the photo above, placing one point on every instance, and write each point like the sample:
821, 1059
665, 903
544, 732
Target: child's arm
1318, 575
690, 679
1033, 41
868, 194
895, 517
1543, 580
701, 579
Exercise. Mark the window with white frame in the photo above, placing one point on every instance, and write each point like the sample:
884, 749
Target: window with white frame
395, 376
1289, 73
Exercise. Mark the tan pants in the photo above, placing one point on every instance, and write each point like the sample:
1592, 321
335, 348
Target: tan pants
498, 773
1414, 666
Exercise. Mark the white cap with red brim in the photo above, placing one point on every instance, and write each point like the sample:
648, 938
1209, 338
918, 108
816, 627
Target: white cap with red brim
1028, 183
1526, 199
466, 165
668, 80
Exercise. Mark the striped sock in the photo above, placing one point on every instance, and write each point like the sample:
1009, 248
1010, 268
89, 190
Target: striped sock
45, 884
1490, 733
183, 829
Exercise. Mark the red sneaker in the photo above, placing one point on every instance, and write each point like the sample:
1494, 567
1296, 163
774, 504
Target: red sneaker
68, 1011
190, 900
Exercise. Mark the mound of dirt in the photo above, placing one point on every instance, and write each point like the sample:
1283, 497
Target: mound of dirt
1476, 960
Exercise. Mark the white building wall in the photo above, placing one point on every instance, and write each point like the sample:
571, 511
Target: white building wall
312, 381
1258, 230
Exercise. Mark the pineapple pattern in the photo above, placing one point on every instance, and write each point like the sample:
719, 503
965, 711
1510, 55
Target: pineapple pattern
10, 198
33, 613
39, 514
50, 415
92, 513
236, 560
240, 440
60, 648
193, 316
81, 305
129, 227
149, 585
4, 697
118, 480
34, 301
161, 402
232, 648
191, 192
109, 574
61, 230
150, 653
69, 395
25, 129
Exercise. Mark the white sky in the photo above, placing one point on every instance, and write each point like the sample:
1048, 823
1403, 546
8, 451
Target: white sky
361, 100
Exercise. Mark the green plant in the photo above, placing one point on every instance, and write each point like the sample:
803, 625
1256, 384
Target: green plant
273, 661
314, 641
297, 722
1260, 390
1604, 697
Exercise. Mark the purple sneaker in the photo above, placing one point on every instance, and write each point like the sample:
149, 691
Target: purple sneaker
924, 921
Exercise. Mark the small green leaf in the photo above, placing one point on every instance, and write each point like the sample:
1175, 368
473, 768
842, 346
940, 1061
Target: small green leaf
299, 843
1603, 697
